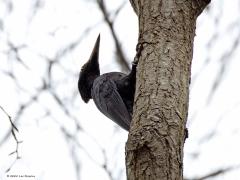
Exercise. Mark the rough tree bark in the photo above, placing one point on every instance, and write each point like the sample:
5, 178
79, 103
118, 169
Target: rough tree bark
154, 150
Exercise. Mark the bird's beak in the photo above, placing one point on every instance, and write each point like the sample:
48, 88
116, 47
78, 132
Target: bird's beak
95, 52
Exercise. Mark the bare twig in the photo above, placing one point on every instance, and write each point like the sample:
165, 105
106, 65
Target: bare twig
13, 129
213, 173
121, 57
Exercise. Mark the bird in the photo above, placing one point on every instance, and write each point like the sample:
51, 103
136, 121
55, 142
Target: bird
112, 93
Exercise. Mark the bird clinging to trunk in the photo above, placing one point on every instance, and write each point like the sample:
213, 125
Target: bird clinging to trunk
113, 93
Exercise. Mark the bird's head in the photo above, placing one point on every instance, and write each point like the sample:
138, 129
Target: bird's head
89, 72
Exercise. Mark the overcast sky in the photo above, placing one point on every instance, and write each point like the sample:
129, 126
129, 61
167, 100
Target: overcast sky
44, 30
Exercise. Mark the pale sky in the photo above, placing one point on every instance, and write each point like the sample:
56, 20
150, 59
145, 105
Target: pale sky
46, 153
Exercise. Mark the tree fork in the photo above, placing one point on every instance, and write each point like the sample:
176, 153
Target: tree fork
154, 150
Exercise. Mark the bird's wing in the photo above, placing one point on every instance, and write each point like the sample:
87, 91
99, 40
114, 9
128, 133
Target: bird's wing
109, 101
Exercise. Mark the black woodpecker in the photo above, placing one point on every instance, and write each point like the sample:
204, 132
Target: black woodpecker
113, 93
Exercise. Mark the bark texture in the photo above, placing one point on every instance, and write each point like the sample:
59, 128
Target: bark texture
154, 150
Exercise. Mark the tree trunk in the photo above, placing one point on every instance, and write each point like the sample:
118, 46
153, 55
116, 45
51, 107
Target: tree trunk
154, 150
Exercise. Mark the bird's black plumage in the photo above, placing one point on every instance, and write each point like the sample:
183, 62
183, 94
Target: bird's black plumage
113, 93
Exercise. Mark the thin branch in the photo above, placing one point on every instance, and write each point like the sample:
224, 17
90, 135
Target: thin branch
23, 107
121, 57
13, 129
214, 173
224, 60
105, 165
